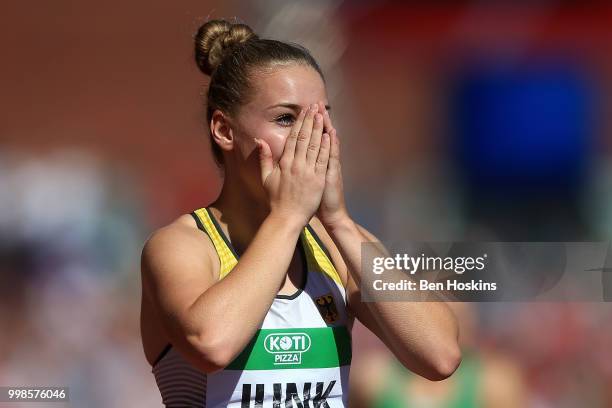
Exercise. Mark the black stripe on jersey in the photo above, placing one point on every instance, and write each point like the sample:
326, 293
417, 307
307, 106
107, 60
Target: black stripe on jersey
318, 240
163, 353
221, 233
323, 248
199, 222
180, 384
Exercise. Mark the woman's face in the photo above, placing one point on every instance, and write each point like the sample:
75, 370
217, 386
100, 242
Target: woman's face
278, 95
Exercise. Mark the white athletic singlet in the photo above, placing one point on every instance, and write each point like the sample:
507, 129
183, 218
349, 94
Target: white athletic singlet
300, 356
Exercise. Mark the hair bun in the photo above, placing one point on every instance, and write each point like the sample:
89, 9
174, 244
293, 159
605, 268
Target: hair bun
215, 39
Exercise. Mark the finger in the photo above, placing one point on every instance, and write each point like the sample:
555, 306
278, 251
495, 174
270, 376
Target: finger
334, 153
324, 151
315, 140
289, 148
265, 159
327, 123
305, 132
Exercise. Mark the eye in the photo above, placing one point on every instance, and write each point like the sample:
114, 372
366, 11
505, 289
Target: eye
285, 119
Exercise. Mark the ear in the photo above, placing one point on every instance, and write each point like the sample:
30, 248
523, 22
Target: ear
221, 131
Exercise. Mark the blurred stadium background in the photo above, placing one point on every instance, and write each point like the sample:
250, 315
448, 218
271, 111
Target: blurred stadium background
460, 120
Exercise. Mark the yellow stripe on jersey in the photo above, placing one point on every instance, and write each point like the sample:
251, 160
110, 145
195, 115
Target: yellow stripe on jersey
315, 254
320, 258
226, 257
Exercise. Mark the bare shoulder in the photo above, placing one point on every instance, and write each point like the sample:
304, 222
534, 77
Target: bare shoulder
179, 242
180, 237
331, 247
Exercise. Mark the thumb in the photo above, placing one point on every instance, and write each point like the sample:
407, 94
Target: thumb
265, 159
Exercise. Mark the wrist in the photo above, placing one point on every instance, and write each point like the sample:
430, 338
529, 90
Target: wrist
341, 221
286, 220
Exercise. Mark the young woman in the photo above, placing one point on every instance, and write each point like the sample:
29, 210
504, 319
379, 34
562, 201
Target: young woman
250, 300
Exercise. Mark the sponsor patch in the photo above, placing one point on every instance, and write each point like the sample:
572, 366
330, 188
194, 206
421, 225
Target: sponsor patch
287, 348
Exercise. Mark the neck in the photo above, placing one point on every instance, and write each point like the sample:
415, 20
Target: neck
241, 210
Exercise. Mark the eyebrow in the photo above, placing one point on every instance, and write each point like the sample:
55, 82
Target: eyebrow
293, 106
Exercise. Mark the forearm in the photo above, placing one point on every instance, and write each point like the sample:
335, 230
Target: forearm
230, 311
423, 335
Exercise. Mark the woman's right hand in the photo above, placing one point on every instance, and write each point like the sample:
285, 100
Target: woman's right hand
295, 184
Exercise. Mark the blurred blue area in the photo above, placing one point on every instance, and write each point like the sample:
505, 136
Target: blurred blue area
523, 128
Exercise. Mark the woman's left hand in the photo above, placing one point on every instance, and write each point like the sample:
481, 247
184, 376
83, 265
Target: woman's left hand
332, 209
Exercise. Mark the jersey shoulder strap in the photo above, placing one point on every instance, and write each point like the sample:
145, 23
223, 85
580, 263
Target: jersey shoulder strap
316, 252
209, 225
319, 255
